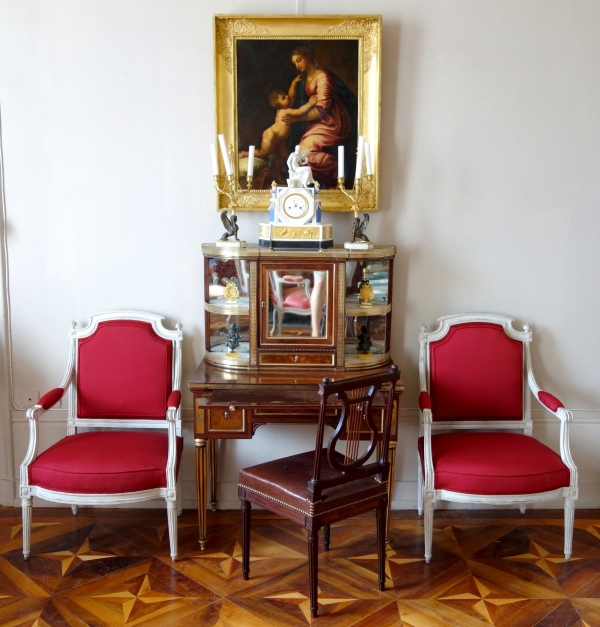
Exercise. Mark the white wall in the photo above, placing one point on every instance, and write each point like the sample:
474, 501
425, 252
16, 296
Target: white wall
489, 176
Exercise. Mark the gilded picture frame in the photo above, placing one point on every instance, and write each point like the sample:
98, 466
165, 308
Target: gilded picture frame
266, 68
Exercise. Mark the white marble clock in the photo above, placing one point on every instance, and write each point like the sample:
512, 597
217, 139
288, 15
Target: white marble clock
295, 220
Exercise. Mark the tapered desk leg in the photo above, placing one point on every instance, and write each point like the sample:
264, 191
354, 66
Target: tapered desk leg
213, 462
201, 487
392, 460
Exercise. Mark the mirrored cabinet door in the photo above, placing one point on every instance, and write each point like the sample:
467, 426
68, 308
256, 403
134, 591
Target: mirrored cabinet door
297, 304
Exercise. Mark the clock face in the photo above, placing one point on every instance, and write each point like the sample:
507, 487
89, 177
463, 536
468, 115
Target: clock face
295, 206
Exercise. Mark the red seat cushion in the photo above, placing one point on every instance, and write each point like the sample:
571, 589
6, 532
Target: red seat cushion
495, 463
296, 298
104, 462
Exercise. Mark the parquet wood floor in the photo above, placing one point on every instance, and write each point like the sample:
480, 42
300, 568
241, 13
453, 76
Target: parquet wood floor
106, 568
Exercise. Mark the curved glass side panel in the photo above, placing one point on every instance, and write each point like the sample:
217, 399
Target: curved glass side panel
374, 271
229, 339
228, 283
365, 340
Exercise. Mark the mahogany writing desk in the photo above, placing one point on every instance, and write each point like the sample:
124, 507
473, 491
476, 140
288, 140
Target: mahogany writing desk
233, 404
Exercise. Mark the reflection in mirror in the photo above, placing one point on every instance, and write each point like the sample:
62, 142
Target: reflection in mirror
376, 272
365, 335
220, 334
297, 303
225, 278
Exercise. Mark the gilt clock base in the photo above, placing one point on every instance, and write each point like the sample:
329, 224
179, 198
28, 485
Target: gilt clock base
291, 237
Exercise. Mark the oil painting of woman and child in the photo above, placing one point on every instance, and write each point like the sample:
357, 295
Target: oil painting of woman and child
297, 93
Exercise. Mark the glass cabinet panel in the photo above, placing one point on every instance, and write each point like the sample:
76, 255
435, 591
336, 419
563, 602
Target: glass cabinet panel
375, 271
227, 287
367, 309
223, 340
222, 272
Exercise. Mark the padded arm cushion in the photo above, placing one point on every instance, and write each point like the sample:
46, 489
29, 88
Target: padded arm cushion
424, 401
549, 401
51, 398
174, 399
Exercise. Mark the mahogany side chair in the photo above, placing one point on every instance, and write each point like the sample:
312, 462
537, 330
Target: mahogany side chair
476, 386
123, 377
321, 487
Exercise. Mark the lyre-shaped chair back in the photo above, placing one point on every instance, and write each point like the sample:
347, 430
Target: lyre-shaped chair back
355, 424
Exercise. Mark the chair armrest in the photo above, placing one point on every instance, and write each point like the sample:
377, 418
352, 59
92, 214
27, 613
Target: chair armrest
424, 401
51, 398
174, 399
549, 401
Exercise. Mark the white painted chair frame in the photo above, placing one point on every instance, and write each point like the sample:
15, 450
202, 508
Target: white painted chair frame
427, 495
172, 423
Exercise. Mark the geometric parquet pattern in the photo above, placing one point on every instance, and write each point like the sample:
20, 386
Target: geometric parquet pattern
107, 568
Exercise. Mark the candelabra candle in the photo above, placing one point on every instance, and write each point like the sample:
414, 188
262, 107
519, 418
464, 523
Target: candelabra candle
368, 159
226, 161
250, 162
340, 163
359, 157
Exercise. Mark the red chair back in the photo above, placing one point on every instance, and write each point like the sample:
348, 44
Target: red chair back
124, 370
476, 373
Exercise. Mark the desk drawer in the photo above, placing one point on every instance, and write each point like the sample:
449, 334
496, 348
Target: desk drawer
226, 419
297, 359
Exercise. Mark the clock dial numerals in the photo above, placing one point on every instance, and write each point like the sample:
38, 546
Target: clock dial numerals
295, 206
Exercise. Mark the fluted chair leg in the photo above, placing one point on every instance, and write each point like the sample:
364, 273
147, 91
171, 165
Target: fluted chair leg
569, 518
428, 524
326, 537
172, 521
26, 505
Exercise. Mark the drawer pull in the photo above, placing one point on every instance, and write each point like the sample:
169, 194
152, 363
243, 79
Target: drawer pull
296, 359
226, 415
231, 407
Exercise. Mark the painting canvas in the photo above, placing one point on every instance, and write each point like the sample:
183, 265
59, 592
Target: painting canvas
287, 81
275, 83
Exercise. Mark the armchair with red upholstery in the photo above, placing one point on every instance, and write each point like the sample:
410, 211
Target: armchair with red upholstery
124, 377
476, 385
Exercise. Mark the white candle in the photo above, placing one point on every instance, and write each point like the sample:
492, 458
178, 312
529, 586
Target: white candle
359, 157
340, 162
215, 161
368, 158
250, 160
225, 155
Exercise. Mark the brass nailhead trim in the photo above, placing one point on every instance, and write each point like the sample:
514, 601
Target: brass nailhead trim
311, 513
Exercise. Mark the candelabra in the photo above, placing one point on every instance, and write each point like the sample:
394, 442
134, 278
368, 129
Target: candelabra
361, 197
225, 187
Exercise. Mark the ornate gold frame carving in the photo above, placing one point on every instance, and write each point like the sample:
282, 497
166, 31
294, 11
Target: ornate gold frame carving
229, 29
